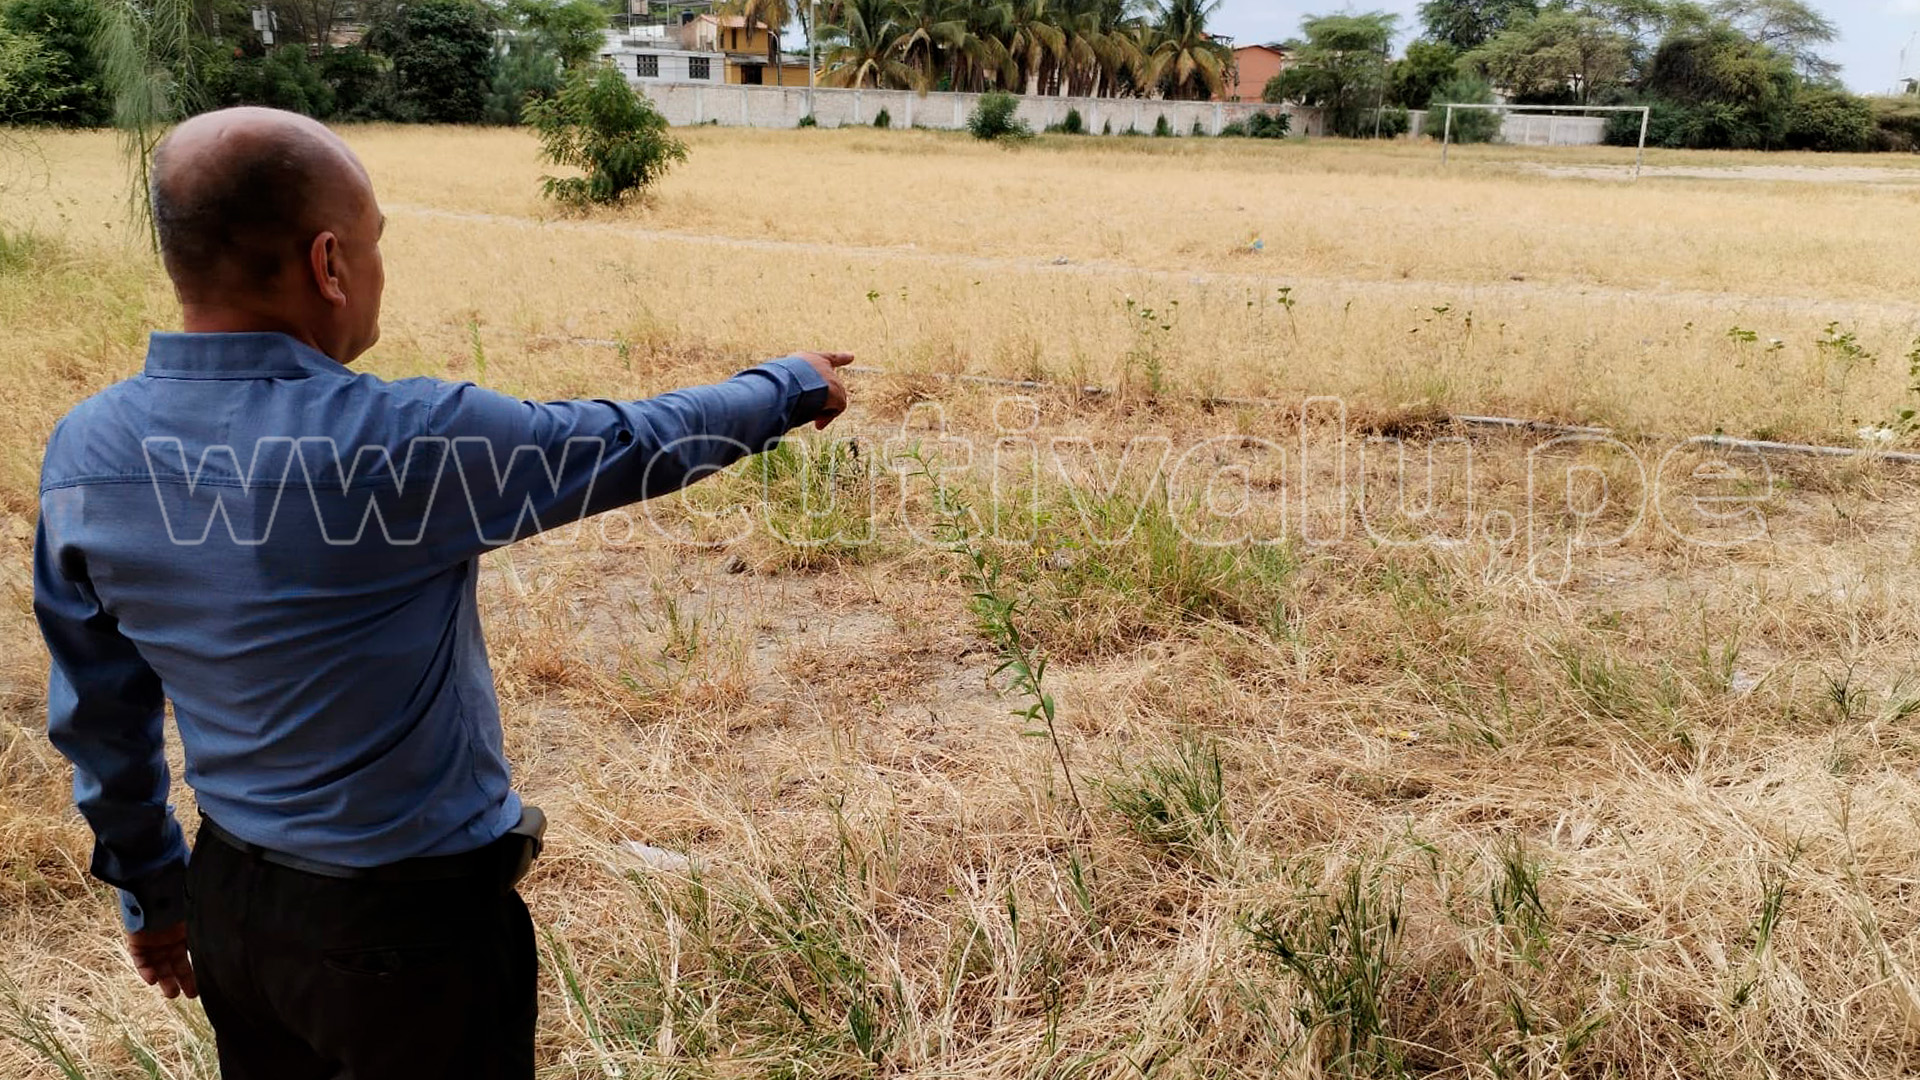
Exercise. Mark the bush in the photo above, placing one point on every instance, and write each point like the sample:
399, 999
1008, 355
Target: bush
600, 124
1162, 129
48, 73
1261, 125
279, 79
1896, 122
1828, 119
1469, 125
362, 84
994, 118
883, 119
1106, 128
808, 121
1073, 124
1394, 121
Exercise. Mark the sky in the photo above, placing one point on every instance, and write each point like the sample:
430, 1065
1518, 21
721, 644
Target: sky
1868, 51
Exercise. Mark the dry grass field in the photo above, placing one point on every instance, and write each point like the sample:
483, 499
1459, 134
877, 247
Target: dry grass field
1376, 745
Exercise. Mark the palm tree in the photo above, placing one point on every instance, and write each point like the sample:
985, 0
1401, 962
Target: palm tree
868, 48
1184, 60
930, 28
1035, 43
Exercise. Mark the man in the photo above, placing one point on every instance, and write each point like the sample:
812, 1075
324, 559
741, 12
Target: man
287, 550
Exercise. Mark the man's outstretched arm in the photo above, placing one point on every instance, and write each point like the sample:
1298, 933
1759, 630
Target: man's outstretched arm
104, 713
527, 466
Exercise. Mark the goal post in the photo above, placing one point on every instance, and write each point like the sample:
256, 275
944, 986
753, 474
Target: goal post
1640, 154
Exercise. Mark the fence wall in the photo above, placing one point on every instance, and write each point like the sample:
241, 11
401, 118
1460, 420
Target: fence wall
782, 107
1524, 129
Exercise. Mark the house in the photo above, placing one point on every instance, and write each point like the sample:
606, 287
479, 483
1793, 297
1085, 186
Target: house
745, 48
1253, 67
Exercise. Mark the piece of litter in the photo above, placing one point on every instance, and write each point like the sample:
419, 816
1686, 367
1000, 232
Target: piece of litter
661, 859
1397, 734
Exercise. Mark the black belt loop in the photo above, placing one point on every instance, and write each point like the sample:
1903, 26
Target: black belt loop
505, 859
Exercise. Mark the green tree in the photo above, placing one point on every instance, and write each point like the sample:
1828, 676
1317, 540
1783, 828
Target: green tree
1557, 57
1185, 60
362, 83
61, 79
569, 30
281, 78
1411, 79
867, 49
599, 124
442, 52
1467, 24
1340, 68
523, 69
1469, 125
1788, 27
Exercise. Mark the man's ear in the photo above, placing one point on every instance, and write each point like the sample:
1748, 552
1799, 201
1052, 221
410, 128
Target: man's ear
323, 257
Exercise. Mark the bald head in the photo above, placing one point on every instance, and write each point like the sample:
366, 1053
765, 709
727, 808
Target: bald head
267, 222
239, 194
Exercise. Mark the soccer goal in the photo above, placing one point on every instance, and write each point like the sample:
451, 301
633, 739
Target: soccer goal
1544, 125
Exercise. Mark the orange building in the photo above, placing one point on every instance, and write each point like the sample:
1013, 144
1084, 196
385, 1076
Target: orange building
746, 49
1253, 66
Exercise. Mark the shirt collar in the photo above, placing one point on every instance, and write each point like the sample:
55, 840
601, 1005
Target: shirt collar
234, 356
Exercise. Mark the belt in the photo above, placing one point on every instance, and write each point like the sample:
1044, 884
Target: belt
505, 859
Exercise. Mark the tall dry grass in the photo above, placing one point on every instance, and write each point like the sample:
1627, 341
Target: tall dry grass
1350, 808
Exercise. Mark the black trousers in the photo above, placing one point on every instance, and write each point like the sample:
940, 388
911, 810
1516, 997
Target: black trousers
308, 977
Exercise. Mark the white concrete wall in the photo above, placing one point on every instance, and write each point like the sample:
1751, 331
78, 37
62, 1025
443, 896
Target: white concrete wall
779, 106
1524, 129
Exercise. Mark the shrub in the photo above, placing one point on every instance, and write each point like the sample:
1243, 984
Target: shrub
883, 119
808, 121
1161, 128
362, 84
1469, 125
1234, 129
281, 79
1073, 124
1394, 121
48, 70
1828, 119
994, 118
1261, 125
1106, 128
1896, 122
600, 124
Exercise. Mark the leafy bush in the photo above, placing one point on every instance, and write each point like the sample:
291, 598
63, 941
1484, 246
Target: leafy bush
808, 121
883, 119
278, 79
1261, 125
1469, 125
1394, 121
1896, 122
1073, 124
994, 118
362, 84
1162, 129
600, 124
48, 73
1829, 119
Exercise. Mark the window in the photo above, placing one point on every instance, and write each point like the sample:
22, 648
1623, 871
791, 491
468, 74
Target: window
699, 67
647, 66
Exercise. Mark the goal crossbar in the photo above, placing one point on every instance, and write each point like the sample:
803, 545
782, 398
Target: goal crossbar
1640, 154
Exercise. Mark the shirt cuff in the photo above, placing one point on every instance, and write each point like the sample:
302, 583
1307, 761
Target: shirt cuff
809, 386
157, 902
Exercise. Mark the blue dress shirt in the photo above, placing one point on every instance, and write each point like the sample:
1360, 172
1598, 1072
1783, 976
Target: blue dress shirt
287, 550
